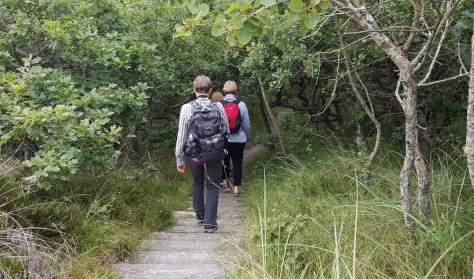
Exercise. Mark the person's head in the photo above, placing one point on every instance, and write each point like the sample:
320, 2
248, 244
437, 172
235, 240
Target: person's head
230, 87
202, 85
217, 96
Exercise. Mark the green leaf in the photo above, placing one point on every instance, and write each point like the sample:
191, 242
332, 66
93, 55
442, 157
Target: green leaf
231, 8
36, 161
197, 20
324, 5
203, 9
238, 22
303, 28
262, 18
192, 9
217, 30
294, 17
249, 26
180, 31
255, 21
296, 6
268, 3
245, 6
244, 37
230, 39
220, 19
234, 13
312, 20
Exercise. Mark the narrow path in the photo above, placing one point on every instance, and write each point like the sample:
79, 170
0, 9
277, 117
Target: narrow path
185, 251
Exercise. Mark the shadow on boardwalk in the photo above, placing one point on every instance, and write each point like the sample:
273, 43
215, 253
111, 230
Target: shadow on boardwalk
185, 251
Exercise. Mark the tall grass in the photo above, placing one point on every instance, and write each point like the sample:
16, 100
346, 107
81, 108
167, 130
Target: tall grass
311, 220
76, 229
24, 251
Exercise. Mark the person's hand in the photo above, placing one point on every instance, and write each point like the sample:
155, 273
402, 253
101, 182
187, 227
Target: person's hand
181, 168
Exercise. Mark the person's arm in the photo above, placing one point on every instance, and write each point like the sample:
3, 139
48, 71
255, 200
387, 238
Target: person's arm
184, 117
244, 114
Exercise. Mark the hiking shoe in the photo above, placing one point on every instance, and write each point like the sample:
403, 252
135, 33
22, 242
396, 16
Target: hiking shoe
200, 218
210, 230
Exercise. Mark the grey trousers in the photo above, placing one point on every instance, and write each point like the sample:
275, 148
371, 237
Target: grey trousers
211, 175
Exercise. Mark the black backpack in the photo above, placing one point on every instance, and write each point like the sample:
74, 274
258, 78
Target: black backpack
206, 137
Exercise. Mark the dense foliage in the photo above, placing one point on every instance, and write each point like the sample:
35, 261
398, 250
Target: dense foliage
78, 78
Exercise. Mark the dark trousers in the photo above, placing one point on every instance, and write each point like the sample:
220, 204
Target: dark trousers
211, 175
236, 154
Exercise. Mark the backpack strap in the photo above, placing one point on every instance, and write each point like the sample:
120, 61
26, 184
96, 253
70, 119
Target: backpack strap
235, 101
204, 104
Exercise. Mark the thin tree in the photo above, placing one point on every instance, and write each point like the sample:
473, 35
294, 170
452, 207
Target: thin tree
369, 110
274, 125
470, 118
408, 68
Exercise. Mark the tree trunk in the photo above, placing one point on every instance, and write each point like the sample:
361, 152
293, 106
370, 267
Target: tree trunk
261, 104
470, 119
272, 118
369, 110
413, 156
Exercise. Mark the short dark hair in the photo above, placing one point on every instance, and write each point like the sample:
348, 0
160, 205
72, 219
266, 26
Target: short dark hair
202, 84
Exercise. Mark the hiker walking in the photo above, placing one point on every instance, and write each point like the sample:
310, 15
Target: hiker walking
240, 131
202, 142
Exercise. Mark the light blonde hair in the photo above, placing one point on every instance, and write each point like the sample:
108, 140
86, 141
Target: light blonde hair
217, 96
230, 87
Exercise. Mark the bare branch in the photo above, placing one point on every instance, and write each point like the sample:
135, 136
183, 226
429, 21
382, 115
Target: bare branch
366, 92
319, 28
438, 11
443, 80
445, 3
391, 29
440, 24
338, 4
422, 16
458, 51
331, 98
348, 45
438, 49
367, 22
355, 2
397, 94
415, 23
368, 108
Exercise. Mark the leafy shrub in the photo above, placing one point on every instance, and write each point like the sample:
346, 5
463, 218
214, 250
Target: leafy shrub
71, 128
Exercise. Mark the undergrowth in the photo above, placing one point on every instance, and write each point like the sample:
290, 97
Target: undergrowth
311, 217
78, 228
